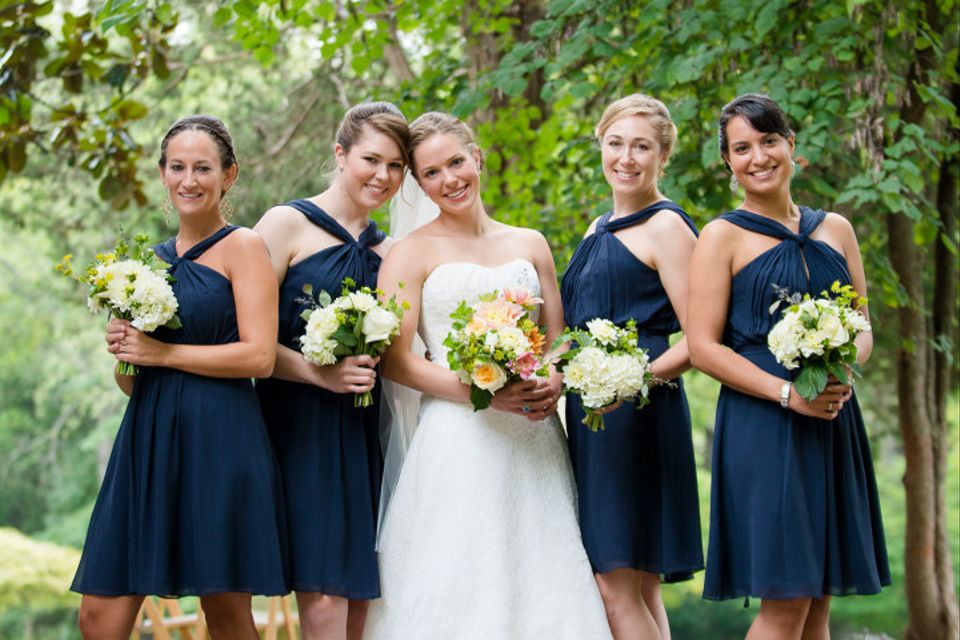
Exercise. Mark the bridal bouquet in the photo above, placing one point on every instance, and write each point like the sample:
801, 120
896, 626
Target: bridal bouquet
817, 336
356, 323
605, 367
130, 283
495, 342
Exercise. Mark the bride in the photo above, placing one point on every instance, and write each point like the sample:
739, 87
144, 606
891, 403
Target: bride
480, 539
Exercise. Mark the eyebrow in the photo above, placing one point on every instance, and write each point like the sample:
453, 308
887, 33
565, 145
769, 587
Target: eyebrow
634, 139
377, 155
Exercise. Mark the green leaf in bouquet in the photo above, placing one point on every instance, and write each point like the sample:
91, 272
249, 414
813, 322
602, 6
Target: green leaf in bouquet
345, 336
308, 289
324, 299
174, 322
358, 326
305, 314
855, 367
480, 398
839, 371
461, 315
811, 380
559, 341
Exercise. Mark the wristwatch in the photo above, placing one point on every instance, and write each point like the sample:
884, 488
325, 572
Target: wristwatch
785, 394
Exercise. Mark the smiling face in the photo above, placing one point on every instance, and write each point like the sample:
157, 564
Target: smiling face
372, 170
631, 157
193, 173
759, 161
449, 172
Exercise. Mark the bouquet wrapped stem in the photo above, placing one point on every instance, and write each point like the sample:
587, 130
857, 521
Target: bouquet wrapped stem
129, 283
357, 323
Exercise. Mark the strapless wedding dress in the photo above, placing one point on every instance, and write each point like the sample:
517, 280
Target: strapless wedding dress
480, 540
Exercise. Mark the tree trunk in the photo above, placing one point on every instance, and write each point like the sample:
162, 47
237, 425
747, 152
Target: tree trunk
931, 598
945, 334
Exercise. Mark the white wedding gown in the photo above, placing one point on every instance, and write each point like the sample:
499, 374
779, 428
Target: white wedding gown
480, 540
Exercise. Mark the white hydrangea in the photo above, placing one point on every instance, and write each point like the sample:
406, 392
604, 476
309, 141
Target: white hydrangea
135, 290
601, 378
317, 341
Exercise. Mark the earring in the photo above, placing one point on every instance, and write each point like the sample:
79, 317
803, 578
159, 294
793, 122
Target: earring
166, 208
226, 207
734, 185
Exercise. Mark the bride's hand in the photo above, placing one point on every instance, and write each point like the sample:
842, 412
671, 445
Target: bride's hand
534, 399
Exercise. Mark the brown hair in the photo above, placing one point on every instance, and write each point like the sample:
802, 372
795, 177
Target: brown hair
382, 117
210, 125
638, 104
435, 123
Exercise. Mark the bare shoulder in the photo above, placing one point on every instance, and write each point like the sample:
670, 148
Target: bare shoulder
839, 224
668, 221
524, 236
279, 218
408, 255
718, 230
245, 240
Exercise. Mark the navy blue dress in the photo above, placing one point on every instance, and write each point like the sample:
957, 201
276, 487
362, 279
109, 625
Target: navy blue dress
637, 478
329, 451
191, 501
794, 507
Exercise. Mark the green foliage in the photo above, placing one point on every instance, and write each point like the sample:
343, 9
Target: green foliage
36, 575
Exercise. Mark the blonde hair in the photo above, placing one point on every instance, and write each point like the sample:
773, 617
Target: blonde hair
638, 104
435, 123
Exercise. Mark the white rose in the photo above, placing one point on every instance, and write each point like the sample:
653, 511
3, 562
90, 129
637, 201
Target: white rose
513, 340
604, 331
856, 322
362, 302
379, 324
812, 343
490, 341
830, 326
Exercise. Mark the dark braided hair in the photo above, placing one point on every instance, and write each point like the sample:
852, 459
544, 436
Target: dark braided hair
210, 125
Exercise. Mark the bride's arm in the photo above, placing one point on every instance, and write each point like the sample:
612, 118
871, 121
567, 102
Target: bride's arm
405, 264
543, 399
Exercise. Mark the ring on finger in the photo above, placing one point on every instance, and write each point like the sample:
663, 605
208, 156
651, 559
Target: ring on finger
525, 409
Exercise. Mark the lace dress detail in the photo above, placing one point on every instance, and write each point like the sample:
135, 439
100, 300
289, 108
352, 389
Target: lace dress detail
481, 539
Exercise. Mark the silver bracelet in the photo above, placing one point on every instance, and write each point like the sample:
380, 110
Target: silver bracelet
785, 394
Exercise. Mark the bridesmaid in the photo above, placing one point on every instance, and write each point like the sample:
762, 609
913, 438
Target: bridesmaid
637, 482
329, 451
795, 516
191, 501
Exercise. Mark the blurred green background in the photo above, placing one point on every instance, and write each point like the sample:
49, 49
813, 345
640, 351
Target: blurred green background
88, 89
